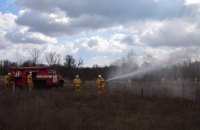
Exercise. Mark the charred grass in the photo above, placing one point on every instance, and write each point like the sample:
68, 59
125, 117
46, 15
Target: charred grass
62, 109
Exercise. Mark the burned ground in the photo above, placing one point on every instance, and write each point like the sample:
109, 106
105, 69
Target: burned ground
120, 109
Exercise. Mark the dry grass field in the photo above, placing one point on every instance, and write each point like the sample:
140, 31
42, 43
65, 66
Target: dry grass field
121, 108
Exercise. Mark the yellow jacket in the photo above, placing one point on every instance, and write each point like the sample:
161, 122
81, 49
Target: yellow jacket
29, 78
7, 78
77, 81
100, 82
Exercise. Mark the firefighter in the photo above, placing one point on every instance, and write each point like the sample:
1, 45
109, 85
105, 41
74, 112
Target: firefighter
7, 80
77, 84
129, 83
100, 84
195, 80
30, 81
162, 80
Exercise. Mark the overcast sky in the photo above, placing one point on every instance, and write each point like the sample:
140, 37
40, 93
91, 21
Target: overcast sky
99, 31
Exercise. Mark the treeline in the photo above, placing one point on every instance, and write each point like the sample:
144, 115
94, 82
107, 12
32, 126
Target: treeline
67, 70
185, 68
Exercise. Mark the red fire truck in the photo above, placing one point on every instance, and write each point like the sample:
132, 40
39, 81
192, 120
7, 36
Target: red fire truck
42, 76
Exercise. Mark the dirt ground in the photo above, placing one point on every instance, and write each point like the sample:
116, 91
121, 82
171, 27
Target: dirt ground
122, 108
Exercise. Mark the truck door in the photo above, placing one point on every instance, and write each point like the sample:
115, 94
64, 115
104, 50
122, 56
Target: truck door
55, 79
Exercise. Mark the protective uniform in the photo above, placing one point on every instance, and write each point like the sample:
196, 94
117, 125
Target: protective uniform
129, 83
101, 86
162, 80
195, 80
77, 84
7, 80
30, 81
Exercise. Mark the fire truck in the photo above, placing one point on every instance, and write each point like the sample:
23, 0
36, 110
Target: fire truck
42, 76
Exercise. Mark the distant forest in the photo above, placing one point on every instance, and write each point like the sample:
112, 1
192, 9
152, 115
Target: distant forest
186, 68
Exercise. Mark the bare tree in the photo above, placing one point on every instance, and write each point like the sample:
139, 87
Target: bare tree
5, 65
80, 62
35, 55
53, 58
95, 66
27, 63
147, 59
130, 57
69, 61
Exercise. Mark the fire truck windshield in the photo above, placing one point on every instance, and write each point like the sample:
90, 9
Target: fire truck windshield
52, 72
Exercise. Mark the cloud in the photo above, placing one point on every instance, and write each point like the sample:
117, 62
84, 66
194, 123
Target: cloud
21, 35
90, 15
100, 31
21, 52
101, 45
173, 33
7, 21
2, 41
6, 24
192, 2
180, 32
127, 9
132, 40
128, 40
93, 42
58, 23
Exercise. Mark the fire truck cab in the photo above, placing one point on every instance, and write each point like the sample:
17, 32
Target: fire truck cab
42, 76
